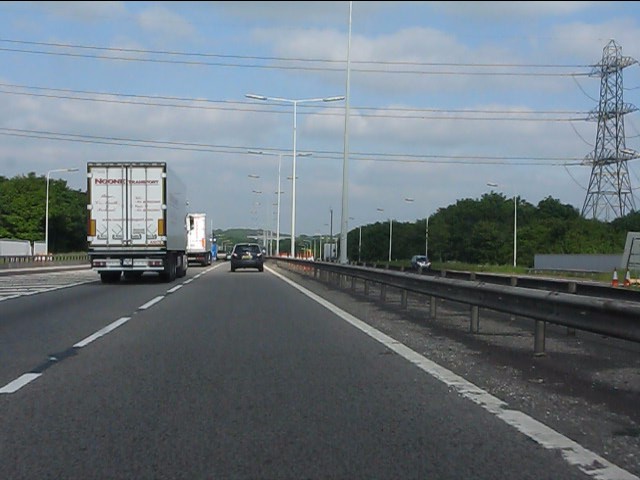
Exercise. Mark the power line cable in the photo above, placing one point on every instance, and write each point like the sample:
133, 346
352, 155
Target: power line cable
200, 147
280, 110
297, 68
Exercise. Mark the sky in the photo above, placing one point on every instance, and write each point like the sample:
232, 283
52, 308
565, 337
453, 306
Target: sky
440, 100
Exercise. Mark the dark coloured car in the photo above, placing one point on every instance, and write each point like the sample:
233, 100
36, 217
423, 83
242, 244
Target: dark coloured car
247, 255
420, 262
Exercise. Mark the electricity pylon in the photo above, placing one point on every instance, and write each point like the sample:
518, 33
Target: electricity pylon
609, 192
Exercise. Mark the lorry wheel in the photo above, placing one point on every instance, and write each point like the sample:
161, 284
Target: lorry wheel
181, 270
170, 269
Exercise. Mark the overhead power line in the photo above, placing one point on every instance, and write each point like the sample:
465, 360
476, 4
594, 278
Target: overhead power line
357, 156
379, 112
116, 54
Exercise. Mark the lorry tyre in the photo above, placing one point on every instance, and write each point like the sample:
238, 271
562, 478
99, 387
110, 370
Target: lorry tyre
170, 269
181, 270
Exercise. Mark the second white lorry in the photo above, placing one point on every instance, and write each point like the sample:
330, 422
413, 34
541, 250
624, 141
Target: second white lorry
198, 240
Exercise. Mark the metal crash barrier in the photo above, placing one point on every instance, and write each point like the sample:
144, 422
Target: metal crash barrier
611, 317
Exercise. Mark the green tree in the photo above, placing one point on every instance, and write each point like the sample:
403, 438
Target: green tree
23, 209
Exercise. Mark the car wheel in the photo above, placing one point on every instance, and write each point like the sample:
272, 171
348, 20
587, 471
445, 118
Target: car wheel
261, 269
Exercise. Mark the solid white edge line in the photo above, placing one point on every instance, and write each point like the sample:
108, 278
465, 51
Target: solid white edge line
151, 302
19, 382
102, 332
586, 460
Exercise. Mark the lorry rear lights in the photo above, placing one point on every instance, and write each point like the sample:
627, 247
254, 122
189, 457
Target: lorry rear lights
155, 263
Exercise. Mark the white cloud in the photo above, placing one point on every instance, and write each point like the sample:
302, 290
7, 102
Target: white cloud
163, 22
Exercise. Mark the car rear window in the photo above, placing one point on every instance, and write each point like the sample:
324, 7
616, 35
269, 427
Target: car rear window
248, 248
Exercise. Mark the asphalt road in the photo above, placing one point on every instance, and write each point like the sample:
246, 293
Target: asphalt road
247, 375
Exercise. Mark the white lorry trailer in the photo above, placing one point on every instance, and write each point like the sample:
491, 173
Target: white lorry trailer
136, 220
198, 241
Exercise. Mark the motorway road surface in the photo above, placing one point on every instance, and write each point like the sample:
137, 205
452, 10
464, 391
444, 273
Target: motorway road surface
246, 375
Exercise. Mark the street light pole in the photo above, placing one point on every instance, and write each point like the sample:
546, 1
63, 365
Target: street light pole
390, 232
515, 223
331, 233
344, 228
46, 214
293, 184
390, 236
426, 231
426, 238
515, 227
278, 208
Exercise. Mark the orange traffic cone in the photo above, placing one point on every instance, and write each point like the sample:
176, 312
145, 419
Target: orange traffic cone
614, 280
627, 280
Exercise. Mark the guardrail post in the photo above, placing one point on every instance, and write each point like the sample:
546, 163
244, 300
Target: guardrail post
383, 292
353, 284
572, 288
403, 299
514, 282
474, 326
538, 348
366, 287
432, 306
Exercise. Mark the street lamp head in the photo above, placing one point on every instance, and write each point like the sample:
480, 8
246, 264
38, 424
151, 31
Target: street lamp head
253, 175
298, 154
333, 99
255, 97
62, 170
492, 184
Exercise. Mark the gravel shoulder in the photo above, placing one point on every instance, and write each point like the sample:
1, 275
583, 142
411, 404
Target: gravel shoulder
585, 386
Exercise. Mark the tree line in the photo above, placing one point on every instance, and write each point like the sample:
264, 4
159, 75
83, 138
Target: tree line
474, 231
480, 231
23, 208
